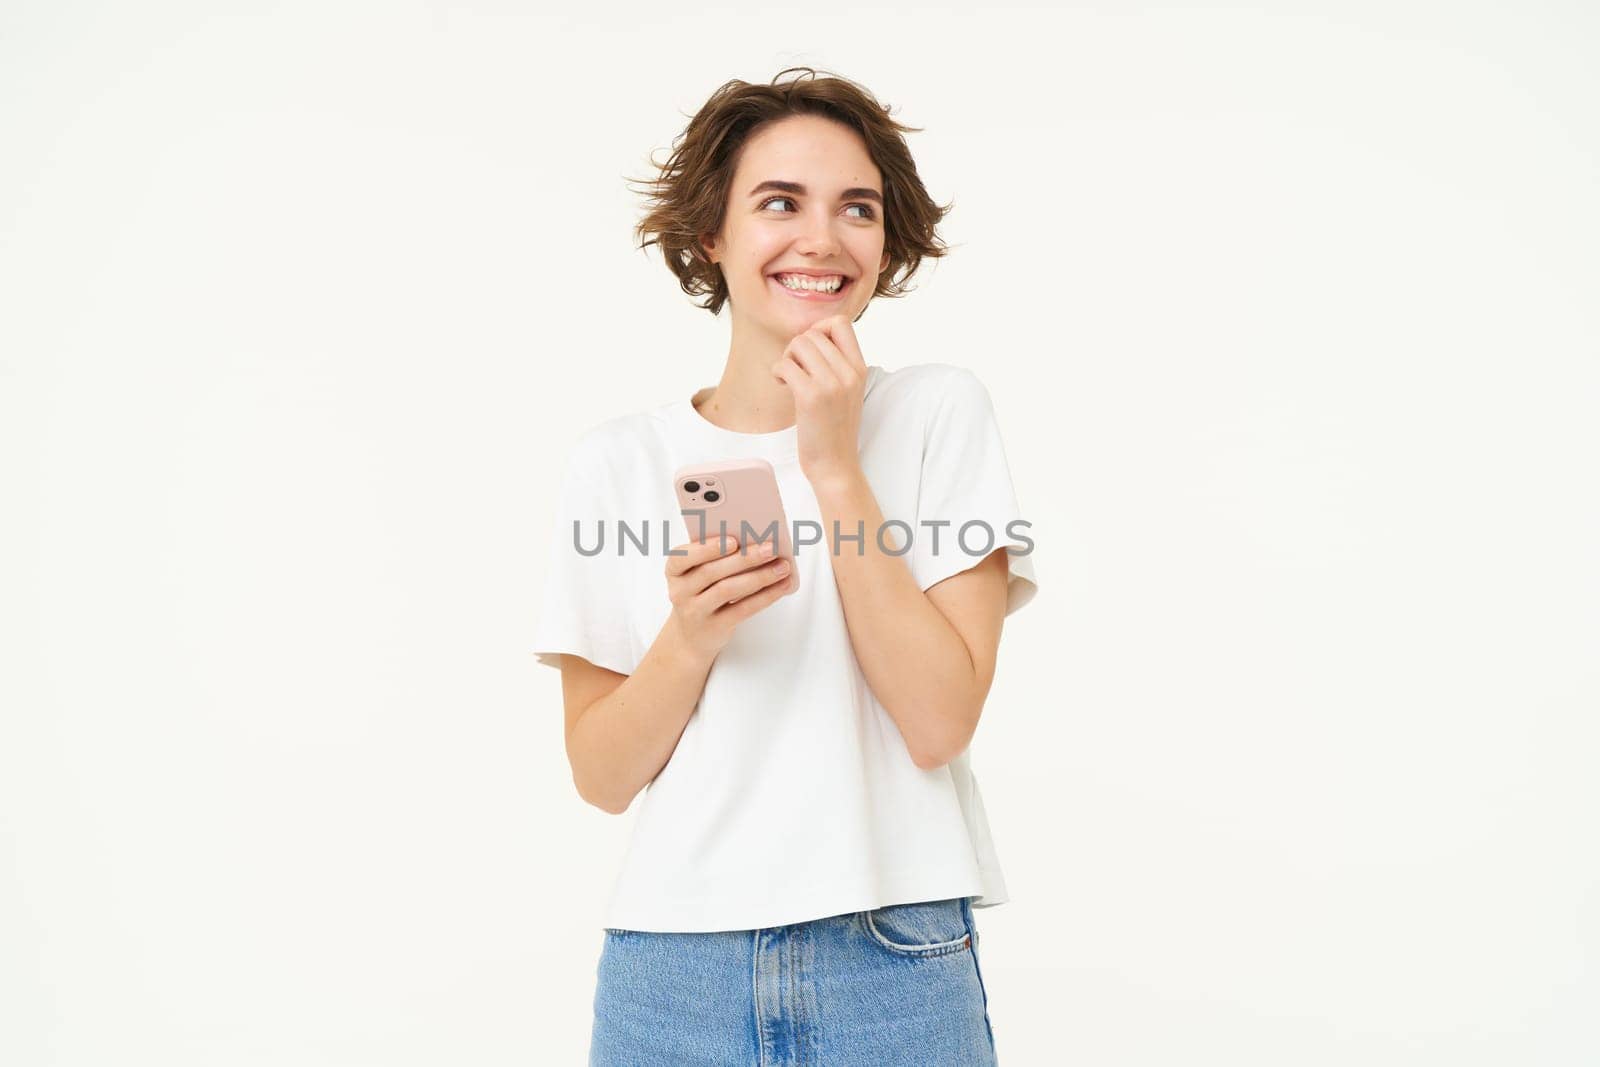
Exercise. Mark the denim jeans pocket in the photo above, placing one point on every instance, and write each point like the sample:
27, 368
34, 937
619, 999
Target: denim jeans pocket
929, 928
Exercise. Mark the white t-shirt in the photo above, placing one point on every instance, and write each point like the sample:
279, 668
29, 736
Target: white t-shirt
791, 795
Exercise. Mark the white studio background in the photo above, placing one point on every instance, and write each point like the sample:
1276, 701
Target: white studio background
1289, 314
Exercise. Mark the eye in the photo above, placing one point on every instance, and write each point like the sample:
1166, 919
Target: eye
870, 214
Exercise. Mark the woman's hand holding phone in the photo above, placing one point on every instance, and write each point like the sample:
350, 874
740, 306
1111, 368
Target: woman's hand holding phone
714, 587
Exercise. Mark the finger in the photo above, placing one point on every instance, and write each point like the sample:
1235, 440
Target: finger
841, 370
807, 350
843, 335
751, 603
709, 573
710, 524
698, 551
790, 371
737, 586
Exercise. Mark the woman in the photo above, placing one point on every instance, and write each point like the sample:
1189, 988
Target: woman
802, 873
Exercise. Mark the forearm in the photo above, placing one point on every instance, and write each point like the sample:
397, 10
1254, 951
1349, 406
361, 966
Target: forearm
621, 742
916, 663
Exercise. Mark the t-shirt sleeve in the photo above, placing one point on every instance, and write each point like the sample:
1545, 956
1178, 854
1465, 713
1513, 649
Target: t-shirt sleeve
583, 610
966, 481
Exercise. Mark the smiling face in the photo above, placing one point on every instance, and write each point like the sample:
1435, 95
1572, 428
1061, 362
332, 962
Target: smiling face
806, 199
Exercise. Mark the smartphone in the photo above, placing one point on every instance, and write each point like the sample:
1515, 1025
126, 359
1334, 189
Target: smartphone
738, 497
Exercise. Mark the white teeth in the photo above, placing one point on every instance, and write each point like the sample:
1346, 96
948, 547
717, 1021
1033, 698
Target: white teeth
805, 281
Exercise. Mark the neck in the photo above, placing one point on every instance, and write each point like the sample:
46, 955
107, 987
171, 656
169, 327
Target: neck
749, 399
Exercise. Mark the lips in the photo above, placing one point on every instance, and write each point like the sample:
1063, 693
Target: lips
810, 294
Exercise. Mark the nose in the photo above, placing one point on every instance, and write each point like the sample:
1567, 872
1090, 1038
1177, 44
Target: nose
819, 239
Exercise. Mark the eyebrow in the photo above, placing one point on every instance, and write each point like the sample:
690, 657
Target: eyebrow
800, 190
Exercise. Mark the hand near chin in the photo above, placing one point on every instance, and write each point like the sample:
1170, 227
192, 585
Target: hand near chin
824, 369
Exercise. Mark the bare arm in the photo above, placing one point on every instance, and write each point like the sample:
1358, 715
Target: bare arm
928, 656
622, 729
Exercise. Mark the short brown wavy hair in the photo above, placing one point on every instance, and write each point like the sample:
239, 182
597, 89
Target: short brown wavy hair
689, 195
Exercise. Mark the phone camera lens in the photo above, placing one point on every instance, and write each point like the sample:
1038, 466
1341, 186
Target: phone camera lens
691, 487
712, 496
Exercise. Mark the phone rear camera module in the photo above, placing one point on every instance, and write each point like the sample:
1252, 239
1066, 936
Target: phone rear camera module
712, 496
691, 487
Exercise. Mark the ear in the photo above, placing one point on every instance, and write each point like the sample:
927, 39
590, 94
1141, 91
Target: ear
709, 247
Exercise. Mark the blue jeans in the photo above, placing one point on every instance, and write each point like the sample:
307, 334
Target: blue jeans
896, 985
